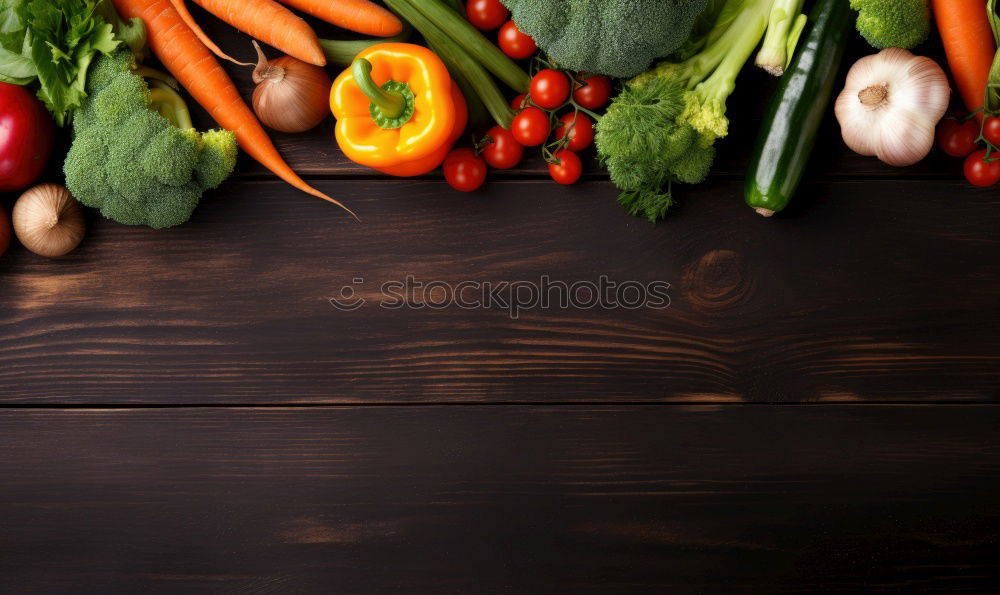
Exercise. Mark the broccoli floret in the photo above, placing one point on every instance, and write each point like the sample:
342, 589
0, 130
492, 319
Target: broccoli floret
135, 155
662, 127
619, 38
893, 23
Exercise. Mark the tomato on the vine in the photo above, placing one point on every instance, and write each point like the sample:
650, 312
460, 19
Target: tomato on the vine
530, 127
594, 93
958, 139
566, 167
581, 134
503, 151
464, 170
991, 130
514, 43
549, 88
980, 173
486, 15
519, 103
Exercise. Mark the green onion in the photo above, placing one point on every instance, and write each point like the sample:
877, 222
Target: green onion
473, 42
343, 51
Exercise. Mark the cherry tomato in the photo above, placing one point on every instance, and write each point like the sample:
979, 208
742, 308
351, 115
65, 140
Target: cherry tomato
518, 103
979, 173
464, 170
549, 88
958, 139
581, 134
515, 44
486, 15
594, 93
991, 130
5, 230
504, 152
567, 169
26, 136
530, 127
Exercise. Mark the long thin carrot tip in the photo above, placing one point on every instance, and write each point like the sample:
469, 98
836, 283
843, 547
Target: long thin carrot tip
185, 15
319, 194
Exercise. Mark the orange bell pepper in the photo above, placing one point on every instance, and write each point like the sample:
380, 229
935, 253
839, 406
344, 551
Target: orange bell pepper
396, 109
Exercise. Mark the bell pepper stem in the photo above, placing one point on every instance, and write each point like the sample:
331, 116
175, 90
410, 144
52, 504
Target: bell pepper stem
390, 104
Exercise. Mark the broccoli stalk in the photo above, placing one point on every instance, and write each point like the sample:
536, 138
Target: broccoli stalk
662, 127
169, 104
783, 31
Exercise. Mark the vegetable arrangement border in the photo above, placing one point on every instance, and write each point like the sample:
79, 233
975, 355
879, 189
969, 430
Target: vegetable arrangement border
469, 88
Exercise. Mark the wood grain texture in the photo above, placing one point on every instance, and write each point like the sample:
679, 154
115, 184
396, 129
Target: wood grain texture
500, 499
862, 291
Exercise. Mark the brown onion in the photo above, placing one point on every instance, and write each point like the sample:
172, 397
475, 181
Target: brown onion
291, 96
48, 220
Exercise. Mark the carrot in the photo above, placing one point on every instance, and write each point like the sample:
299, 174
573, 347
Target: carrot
361, 16
194, 66
265, 20
969, 45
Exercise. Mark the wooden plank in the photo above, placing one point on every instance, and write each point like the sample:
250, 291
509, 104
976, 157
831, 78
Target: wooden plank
500, 499
315, 152
883, 291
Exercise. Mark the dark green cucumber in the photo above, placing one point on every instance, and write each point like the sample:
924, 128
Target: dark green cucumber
789, 129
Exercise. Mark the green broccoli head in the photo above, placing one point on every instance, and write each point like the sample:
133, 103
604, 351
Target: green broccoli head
619, 38
646, 145
132, 163
893, 23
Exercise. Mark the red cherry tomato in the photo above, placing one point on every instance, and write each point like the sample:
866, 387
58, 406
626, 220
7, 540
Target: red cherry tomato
503, 151
980, 173
530, 127
5, 231
515, 44
991, 130
519, 103
581, 134
958, 139
464, 170
26, 135
549, 88
567, 167
594, 93
486, 15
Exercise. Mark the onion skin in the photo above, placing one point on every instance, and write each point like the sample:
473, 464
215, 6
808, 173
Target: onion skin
49, 221
291, 96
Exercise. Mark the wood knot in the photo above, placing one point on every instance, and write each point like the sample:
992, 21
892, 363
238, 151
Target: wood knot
718, 280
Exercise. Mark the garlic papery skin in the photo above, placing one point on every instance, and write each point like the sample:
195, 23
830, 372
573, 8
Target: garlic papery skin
891, 104
48, 220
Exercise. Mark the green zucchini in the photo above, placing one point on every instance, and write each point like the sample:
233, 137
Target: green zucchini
789, 129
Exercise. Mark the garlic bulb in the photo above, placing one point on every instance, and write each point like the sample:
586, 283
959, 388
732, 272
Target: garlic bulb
48, 220
891, 104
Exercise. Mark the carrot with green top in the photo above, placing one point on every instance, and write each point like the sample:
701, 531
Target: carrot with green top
194, 66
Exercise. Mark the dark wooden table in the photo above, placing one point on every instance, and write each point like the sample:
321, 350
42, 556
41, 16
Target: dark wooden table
185, 411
